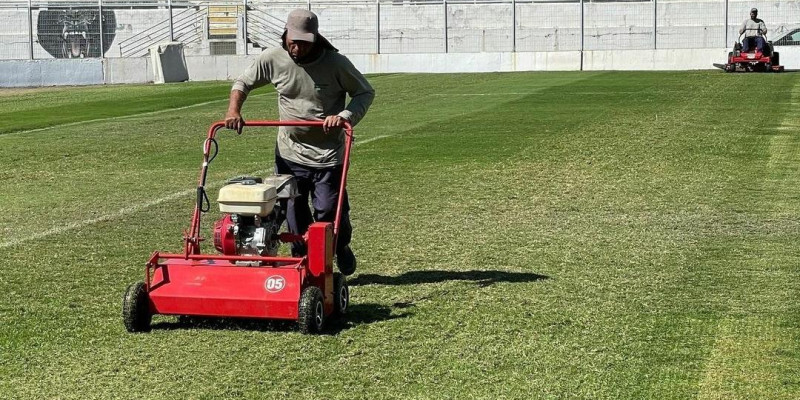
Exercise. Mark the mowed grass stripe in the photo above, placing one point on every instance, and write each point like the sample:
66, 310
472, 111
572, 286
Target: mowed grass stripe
41, 109
74, 246
745, 363
549, 211
122, 117
635, 154
102, 157
544, 246
83, 238
661, 164
757, 347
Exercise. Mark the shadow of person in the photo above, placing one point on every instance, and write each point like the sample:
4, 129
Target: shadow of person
481, 278
357, 314
361, 314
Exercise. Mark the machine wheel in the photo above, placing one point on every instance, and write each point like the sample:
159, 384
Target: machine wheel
136, 308
730, 57
311, 317
776, 58
341, 294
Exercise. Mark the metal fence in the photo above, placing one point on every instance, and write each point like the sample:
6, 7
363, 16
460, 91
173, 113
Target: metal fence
36, 29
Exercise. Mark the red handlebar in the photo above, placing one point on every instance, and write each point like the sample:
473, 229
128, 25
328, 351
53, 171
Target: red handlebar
221, 124
192, 245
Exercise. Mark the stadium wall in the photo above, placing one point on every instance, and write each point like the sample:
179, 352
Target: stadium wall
55, 72
419, 27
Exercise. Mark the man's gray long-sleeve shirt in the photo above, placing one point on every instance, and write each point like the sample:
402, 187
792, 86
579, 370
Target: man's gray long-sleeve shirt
752, 28
310, 92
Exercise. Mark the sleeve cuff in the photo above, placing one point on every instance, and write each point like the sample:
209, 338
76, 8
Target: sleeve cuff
346, 114
238, 85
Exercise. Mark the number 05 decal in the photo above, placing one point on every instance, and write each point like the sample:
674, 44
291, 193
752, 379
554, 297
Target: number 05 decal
275, 284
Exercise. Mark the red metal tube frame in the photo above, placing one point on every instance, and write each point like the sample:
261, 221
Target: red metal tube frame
193, 239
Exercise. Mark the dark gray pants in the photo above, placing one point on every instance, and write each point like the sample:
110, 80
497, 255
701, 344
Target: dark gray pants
747, 43
322, 184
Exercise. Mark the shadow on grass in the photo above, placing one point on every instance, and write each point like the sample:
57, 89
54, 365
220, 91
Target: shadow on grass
361, 314
481, 278
357, 314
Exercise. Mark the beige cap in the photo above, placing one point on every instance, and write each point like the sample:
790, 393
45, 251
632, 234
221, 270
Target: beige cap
302, 25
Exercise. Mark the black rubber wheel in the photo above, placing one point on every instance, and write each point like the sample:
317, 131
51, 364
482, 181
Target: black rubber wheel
776, 58
730, 57
311, 317
136, 308
341, 294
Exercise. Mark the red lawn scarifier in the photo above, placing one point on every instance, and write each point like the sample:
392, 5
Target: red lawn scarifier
248, 280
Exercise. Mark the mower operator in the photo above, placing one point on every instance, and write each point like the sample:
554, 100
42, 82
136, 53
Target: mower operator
312, 80
755, 31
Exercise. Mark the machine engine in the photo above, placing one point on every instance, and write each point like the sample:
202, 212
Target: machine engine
254, 210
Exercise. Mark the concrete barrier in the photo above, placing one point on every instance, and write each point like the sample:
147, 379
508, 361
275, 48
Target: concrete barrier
658, 60
21, 73
467, 62
128, 70
216, 68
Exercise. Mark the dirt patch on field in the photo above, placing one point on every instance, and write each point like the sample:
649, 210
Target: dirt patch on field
5, 92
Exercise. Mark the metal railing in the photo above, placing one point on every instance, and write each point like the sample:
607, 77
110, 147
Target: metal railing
183, 25
263, 29
36, 29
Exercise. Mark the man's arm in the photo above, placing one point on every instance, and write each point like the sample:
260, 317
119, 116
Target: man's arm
743, 27
361, 96
763, 27
233, 118
256, 75
361, 93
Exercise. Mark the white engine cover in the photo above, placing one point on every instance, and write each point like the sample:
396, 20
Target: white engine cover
247, 199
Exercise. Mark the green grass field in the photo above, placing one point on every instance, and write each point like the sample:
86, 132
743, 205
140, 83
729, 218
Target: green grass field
622, 235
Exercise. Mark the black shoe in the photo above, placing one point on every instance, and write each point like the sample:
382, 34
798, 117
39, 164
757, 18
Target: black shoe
346, 261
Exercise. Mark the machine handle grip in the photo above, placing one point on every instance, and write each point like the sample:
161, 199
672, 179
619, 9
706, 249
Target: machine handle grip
212, 131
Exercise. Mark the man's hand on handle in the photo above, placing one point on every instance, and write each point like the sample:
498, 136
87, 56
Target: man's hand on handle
234, 120
331, 122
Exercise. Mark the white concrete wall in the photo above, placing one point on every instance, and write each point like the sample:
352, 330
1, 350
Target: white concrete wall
648, 60
19, 73
790, 56
127, 70
467, 62
216, 68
